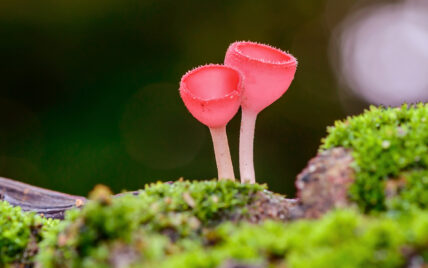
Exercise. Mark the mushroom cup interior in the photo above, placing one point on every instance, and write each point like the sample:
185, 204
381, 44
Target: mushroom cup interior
264, 53
213, 82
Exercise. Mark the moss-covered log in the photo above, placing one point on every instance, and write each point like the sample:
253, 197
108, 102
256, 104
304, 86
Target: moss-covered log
362, 202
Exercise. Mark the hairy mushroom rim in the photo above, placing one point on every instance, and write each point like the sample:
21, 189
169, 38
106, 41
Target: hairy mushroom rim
263, 53
212, 82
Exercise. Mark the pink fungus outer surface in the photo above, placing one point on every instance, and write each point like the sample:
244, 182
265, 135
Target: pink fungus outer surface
267, 72
212, 93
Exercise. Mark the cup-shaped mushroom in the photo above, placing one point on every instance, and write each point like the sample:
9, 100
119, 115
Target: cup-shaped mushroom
212, 93
267, 72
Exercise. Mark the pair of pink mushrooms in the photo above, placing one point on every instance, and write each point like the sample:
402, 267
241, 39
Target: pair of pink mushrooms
253, 76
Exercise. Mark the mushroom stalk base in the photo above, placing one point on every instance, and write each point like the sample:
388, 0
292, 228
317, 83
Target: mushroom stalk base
246, 145
222, 154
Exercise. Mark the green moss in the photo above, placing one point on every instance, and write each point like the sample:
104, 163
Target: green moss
169, 216
19, 234
413, 192
387, 143
339, 239
159, 228
343, 238
154, 229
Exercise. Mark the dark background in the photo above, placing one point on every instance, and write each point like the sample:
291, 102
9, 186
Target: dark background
89, 89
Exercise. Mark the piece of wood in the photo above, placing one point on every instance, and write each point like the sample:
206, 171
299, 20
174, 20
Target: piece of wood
50, 204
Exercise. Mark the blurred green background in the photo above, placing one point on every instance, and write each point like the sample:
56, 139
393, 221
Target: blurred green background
89, 89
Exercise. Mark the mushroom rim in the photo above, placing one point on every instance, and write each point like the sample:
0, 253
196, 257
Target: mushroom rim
236, 92
291, 61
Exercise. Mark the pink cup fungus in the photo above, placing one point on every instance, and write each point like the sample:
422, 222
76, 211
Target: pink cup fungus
212, 94
267, 74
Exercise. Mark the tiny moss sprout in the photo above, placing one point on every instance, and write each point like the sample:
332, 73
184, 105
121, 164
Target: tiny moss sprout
212, 94
267, 73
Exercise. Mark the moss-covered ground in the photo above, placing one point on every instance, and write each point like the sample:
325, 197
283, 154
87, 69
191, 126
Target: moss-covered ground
217, 224
162, 219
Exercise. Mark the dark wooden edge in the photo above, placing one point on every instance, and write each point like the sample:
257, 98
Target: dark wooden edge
48, 203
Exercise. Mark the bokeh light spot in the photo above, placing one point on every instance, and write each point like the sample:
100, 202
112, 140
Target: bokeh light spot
383, 55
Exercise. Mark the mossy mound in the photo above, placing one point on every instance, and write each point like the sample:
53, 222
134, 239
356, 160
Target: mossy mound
19, 234
390, 149
161, 227
172, 217
205, 224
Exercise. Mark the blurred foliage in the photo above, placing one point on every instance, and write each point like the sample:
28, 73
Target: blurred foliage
89, 90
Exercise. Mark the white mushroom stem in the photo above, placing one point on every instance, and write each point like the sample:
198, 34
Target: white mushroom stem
222, 154
246, 147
